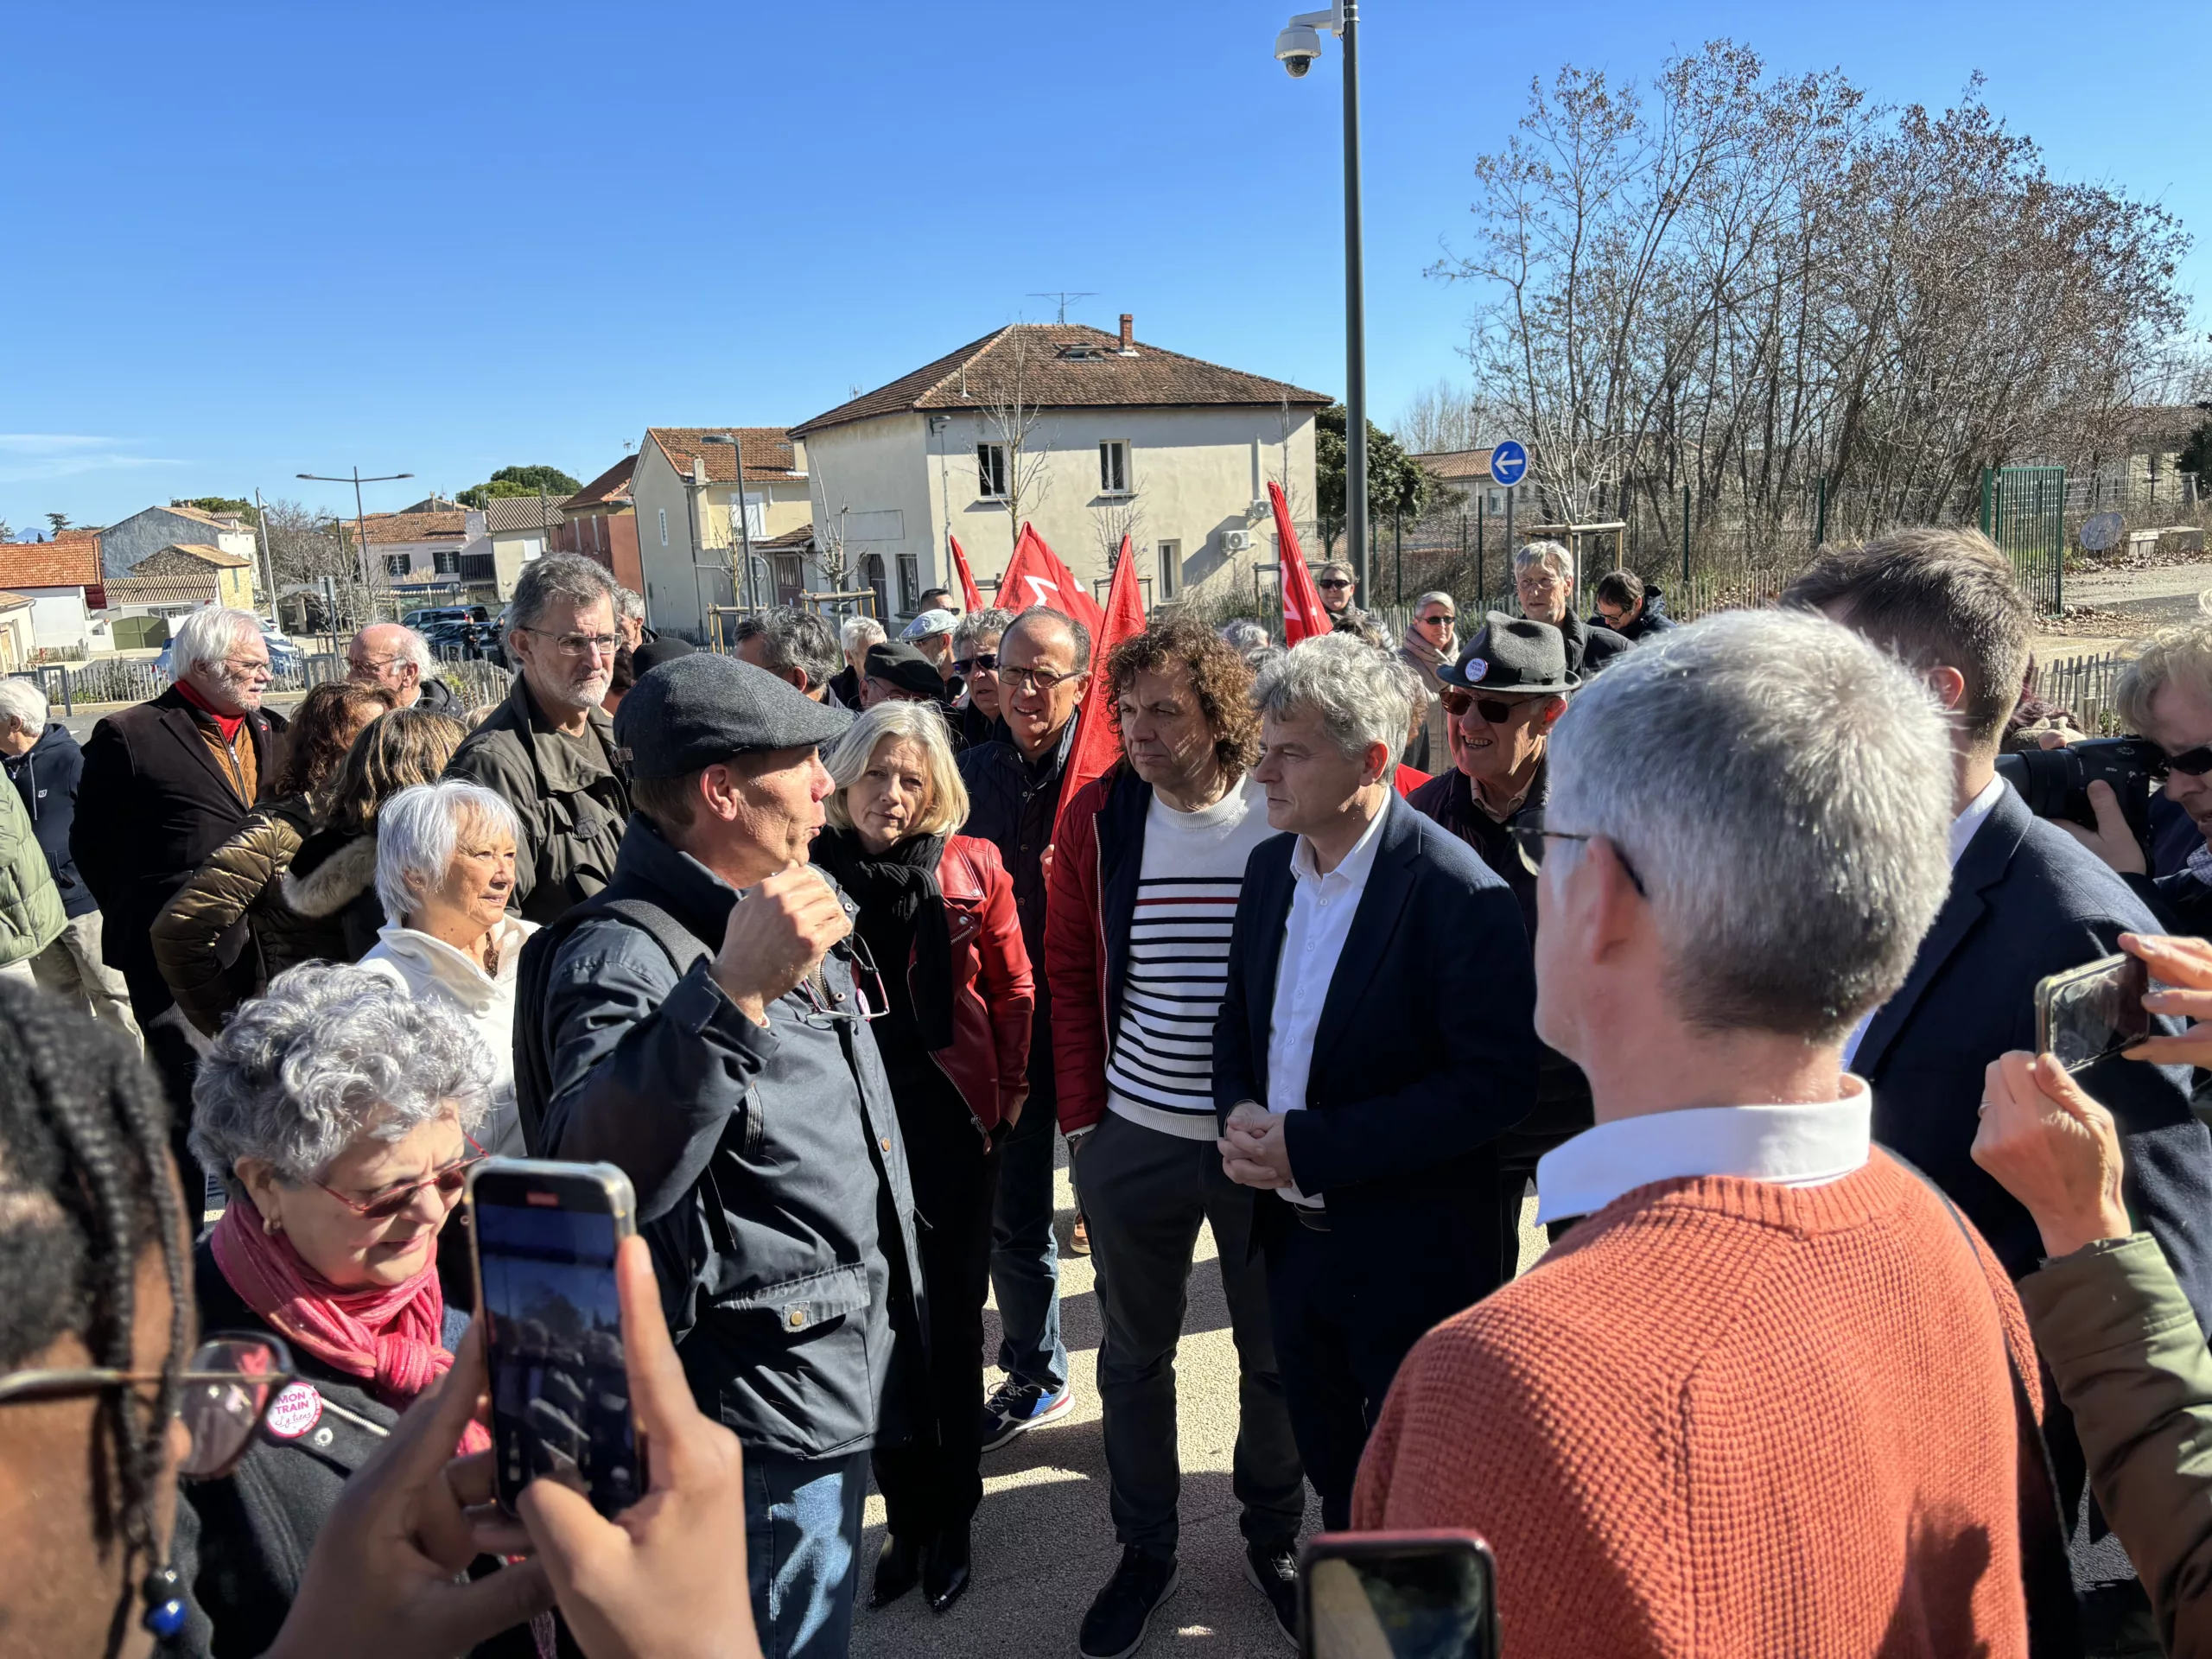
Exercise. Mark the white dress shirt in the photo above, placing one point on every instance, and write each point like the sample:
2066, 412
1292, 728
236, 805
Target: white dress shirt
1964, 827
1789, 1146
1321, 910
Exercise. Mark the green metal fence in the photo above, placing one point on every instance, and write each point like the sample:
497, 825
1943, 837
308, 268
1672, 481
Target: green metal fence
2024, 512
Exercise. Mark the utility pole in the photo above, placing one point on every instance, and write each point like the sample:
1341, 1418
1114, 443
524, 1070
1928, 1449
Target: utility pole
268, 559
1355, 540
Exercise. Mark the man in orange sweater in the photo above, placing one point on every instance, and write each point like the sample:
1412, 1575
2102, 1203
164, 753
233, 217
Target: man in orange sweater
1757, 1400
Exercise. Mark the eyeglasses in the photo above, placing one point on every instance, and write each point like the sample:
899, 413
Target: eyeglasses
1539, 580
248, 665
2196, 762
1496, 710
449, 1181
1025, 679
222, 1395
1529, 833
1333, 582
985, 662
1431, 621
577, 645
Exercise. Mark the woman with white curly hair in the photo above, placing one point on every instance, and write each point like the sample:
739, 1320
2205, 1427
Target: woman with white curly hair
338, 1111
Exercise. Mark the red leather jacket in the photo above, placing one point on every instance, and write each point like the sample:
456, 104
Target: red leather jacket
992, 988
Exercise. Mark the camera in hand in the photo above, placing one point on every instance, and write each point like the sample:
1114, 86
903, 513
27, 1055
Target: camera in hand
2055, 783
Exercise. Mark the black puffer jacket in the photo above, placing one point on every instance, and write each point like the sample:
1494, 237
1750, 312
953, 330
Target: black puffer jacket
46, 777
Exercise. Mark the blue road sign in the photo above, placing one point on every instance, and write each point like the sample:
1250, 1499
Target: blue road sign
1508, 462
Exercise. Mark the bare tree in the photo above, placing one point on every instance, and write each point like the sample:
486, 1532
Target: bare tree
1003, 382
1444, 417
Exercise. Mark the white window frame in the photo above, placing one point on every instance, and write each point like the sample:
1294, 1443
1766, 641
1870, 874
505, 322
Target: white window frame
991, 463
397, 564
1168, 557
663, 526
1114, 458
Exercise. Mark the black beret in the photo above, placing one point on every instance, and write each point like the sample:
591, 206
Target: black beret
701, 708
901, 666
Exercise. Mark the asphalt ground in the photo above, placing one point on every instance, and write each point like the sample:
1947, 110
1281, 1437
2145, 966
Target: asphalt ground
1044, 1541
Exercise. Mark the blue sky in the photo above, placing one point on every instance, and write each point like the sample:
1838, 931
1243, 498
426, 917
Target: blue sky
252, 241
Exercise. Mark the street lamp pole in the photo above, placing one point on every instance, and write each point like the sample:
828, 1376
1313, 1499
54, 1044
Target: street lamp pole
744, 518
360, 517
1297, 47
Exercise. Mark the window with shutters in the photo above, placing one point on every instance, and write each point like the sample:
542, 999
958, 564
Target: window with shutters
396, 564
446, 561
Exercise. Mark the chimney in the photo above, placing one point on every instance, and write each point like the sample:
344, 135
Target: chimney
1128, 333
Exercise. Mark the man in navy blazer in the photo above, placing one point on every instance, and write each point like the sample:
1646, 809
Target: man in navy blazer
2025, 902
1376, 1038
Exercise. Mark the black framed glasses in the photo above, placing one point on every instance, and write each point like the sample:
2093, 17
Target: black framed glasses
1496, 710
985, 662
1334, 583
1431, 621
224, 1394
1025, 679
2196, 762
1530, 832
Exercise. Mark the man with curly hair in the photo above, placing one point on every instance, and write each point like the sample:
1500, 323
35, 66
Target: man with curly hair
1147, 865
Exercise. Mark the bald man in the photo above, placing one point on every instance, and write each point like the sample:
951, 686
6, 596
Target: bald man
398, 660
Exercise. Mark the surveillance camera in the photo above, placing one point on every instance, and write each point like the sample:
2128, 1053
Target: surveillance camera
1297, 47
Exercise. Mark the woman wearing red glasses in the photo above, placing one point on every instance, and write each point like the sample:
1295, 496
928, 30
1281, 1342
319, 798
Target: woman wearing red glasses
339, 1110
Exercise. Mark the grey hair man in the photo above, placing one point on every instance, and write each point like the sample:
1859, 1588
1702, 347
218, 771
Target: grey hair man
2025, 902
165, 784
548, 750
696, 1025
855, 635
1375, 1042
1245, 637
630, 616
976, 660
1711, 927
397, 658
796, 647
44, 762
1543, 579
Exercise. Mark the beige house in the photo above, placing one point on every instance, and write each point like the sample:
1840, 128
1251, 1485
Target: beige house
522, 529
430, 555
683, 491
1083, 433
18, 647
181, 578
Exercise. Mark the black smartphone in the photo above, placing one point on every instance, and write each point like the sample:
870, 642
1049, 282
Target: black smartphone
1397, 1595
2086, 1013
543, 1234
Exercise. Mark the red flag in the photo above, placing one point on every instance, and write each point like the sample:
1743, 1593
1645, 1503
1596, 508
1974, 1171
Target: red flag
1098, 727
969, 596
1302, 616
1034, 575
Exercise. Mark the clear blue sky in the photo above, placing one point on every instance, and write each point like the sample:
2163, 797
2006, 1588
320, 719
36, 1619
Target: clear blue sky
252, 241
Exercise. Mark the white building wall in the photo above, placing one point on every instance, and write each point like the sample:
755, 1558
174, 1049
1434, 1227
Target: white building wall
59, 619
872, 483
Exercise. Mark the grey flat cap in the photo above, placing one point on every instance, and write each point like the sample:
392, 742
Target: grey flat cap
702, 708
930, 622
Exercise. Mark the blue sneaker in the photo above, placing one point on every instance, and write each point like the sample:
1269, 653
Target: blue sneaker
1016, 1406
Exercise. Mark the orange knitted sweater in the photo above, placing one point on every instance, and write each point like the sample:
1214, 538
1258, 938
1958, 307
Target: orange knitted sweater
1725, 1417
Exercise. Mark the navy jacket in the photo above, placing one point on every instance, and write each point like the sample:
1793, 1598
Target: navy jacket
47, 777
1427, 1050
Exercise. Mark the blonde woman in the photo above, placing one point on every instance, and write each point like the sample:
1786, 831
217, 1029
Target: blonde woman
937, 919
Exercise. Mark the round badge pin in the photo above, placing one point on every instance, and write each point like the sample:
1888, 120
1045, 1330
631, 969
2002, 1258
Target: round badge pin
1476, 667
295, 1411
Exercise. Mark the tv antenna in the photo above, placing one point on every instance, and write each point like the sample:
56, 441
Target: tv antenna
1063, 297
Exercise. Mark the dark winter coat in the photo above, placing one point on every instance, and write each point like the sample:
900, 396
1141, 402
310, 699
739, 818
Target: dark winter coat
332, 887
152, 804
1589, 649
1652, 619
47, 777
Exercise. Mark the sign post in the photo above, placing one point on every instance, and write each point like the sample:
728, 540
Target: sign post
1508, 464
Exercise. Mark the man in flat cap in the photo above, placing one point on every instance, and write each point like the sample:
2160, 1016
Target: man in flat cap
701, 1022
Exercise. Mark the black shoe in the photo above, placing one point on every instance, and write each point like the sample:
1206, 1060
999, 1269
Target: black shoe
946, 1574
1114, 1626
898, 1569
1273, 1569
1015, 1407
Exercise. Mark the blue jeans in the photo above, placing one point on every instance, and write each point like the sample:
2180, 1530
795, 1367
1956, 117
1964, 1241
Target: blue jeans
802, 1530
1025, 1256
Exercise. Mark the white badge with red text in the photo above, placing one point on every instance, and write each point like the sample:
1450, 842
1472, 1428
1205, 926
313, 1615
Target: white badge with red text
294, 1411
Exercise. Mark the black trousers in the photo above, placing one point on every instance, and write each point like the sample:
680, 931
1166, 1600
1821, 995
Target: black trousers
1342, 1328
173, 1048
934, 1482
1146, 1194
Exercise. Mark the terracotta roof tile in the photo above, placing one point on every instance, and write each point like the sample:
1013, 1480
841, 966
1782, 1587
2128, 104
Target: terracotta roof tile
388, 527
160, 590
214, 555
1063, 365
70, 560
510, 512
1471, 465
768, 453
227, 521
790, 540
609, 488
14, 601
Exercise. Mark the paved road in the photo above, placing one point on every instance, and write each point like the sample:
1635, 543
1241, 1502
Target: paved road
1044, 1541
88, 716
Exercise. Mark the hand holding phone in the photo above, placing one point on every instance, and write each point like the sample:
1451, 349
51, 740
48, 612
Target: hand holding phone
2093, 1011
667, 1577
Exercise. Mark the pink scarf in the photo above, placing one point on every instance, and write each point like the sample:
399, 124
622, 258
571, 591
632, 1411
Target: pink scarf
386, 1334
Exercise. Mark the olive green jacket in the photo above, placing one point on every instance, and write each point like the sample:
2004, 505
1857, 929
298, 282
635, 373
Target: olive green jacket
2132, 1365
31, 917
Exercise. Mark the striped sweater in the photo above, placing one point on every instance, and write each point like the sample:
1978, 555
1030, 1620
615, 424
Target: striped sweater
1160, 1072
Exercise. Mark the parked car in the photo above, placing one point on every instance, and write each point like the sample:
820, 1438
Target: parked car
424, 619
286, 659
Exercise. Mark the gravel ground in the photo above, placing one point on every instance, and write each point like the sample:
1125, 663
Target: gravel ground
2110, 607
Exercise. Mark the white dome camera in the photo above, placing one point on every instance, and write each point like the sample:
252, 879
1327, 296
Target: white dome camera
1297, 47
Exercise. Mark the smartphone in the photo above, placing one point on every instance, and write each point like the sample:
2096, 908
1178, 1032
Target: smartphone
543, 1235
1397, 1595
2088, 1012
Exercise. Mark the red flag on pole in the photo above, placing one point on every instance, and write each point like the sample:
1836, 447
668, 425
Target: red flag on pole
1302, 616
1034, 575
969, 596
1098, 727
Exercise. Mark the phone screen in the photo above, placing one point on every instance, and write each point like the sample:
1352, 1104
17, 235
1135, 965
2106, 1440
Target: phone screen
1406, 1599
560, 1396
2089, 1014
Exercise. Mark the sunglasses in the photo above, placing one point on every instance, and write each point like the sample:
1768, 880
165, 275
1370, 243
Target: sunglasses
1433, 622
1496, 710
1333, 582
223, 1393
2196, 762
449, 1181
1529, 833
986, 661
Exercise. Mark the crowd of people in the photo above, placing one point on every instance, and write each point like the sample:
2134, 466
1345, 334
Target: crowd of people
1863, 1327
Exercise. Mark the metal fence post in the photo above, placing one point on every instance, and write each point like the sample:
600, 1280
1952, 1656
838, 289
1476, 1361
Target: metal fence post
1686, 541
1820, 516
